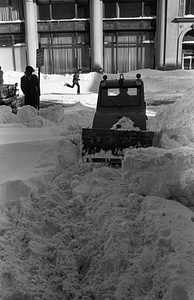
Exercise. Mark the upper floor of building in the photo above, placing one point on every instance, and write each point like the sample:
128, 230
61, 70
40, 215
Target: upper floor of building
13, 10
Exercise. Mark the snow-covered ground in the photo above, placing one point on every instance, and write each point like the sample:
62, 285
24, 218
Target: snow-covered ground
70, 230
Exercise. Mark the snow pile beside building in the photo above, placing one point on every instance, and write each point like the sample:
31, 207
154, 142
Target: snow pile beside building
6, 115
167, 169
160, 172
87, 236
70, 230
177, 115
55, 83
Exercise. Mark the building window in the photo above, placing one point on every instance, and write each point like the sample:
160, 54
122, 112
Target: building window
188, 50
82, 9
43, 9
189, 9
11, 10
126, 51
16, 10
65, 52
12, 40
110, 9
12, 49
62, 9
149, 8
129, 8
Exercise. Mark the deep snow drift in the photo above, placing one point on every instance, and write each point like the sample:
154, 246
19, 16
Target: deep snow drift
70, 230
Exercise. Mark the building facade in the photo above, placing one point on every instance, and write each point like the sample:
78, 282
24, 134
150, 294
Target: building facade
97, 35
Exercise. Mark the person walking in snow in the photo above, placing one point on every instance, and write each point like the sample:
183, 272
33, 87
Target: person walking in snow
1, 76
31, 88
76, 78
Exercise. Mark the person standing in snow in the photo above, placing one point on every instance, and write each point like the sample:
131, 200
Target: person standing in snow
31, 88
1, 76
76, 78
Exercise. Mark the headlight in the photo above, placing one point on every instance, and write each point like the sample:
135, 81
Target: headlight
122, 76
138, 82
103, 83
121, 79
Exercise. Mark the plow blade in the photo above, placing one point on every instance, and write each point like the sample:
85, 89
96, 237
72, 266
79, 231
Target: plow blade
95, 141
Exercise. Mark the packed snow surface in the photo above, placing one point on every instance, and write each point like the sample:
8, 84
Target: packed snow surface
72, 230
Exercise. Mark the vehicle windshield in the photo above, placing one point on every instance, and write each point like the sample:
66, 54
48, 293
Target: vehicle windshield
120, 97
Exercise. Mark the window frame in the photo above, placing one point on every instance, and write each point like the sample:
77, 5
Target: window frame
118, 8
12, 10
76, 11
189, 7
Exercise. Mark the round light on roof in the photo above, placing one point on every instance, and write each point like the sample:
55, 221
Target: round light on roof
105, 77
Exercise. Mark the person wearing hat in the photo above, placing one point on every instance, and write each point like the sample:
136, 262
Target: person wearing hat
31, 88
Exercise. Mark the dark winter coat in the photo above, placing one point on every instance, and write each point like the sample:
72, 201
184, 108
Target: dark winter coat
31, 90
76, 78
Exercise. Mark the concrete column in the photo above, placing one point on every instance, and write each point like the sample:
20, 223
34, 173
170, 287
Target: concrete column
172, 34
31, 31
160, 33
96, 35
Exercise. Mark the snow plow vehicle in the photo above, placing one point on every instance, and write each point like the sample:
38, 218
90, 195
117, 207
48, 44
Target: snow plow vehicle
9, 95
106, 140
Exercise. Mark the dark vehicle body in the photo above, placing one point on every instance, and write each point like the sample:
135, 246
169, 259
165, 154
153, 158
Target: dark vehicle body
117, 99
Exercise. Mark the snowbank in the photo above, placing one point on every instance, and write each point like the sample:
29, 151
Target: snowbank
87, 231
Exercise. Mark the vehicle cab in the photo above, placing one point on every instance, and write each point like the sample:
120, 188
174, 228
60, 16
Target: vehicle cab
119, 98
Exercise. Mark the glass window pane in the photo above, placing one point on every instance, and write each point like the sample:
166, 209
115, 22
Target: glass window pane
63, 9
148, 37
109, 38
63, 39
43, 12
110, 52
19, 40
6, 41
4, 10
128, 51
82, 9
111, 97
83, 52
189, 7
189, 36
64, 50
110, 10
130, 9
66, 53
131, 37
150, 8
147, 56
16, 10
45, 40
